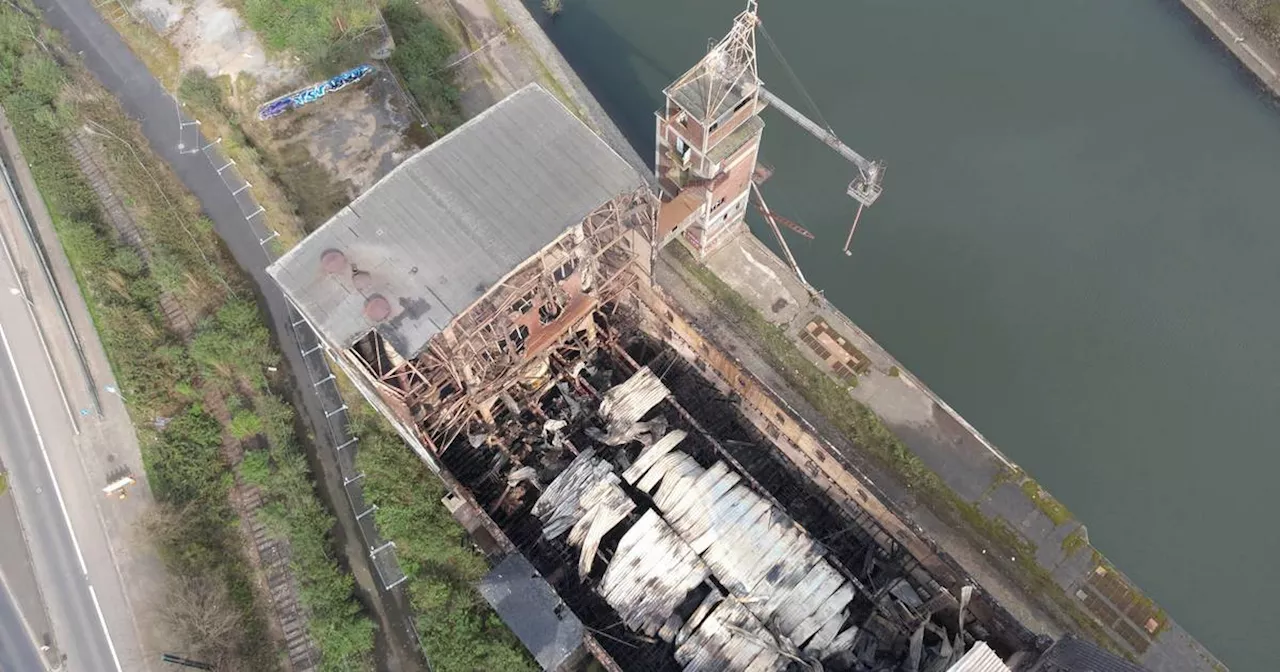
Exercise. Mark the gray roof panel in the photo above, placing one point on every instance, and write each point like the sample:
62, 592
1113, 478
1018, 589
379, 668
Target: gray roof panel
451, 221
533, 611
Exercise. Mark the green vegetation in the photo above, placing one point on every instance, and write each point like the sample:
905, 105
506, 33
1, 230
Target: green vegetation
206, 99
280, 173
421, 56
1072, 543
459, 630
316, 31
335, 621
182, 387
4, 483
553, 7
1048, 505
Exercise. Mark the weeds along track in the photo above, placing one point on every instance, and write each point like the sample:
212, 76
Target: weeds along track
272, 555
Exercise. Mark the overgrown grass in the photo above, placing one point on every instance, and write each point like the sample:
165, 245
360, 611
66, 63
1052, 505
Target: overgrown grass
316, 31
1074, 542
458, 628
205, 98
422, 52
1054, 510
168, 383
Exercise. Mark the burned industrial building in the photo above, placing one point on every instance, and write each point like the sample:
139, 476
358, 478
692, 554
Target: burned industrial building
644, 500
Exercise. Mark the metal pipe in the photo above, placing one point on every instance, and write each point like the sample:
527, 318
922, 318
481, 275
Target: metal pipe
764, 209
865, 165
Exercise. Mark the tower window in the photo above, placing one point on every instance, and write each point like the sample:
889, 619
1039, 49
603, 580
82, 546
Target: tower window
565, 270
523, 304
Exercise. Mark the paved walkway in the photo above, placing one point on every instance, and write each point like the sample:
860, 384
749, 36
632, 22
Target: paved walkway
142, 97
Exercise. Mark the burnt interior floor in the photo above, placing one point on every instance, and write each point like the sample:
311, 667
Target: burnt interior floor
893, 596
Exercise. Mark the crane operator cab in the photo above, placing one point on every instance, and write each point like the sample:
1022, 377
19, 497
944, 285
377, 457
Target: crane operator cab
866, 187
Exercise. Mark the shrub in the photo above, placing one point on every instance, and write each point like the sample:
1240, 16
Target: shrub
245, 424
422, 52
310, 29
458, 628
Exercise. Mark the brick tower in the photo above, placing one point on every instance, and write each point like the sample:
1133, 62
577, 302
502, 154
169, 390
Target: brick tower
708, 135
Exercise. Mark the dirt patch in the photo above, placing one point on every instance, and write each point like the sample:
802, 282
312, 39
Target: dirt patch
359, 137
326, 153
212, 37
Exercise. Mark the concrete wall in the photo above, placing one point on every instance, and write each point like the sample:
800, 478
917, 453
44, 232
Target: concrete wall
1240, 40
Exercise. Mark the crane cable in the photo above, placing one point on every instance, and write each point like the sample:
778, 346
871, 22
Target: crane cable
795, 79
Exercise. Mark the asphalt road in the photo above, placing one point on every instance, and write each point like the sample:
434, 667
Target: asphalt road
17, 650
71, 600
45, 474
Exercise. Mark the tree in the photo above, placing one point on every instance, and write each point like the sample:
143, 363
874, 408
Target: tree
199, 610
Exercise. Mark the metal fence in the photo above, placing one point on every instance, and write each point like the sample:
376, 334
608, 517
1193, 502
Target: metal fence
320, 377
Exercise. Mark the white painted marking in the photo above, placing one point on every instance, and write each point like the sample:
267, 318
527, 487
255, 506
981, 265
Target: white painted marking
22, 618
22, 389
105, 632
62, 505
1236, 37
66, 403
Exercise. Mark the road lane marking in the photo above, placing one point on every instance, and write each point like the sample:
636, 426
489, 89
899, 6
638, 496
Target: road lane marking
44, 453
75, 427
105, 632
57, 491
22, 618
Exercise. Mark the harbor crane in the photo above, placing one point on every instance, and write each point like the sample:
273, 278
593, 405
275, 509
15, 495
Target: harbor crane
865, 187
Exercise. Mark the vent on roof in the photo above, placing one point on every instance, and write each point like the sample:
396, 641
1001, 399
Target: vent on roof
333, 261
377, 308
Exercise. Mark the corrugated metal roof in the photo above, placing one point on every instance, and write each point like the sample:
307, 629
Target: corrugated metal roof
753, 548
722, 635
782, 592
979, 659
1072, 654
623, 405
449, 222
560, 507
650, 574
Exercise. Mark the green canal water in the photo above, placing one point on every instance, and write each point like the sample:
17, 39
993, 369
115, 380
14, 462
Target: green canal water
1078, 247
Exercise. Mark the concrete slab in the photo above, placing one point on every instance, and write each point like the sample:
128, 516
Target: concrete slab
777, 296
